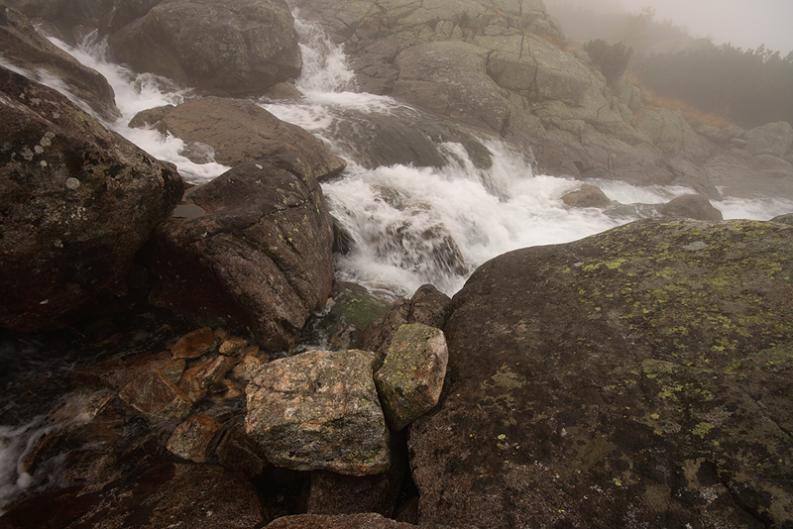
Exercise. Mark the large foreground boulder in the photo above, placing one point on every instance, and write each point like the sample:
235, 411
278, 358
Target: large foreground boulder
237, 130
319, 411
238, 47
639, 378
29, 51
258, 252
76, 203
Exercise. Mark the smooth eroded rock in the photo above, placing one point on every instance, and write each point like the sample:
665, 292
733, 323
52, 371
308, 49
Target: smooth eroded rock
237, 47
774, 138
587, 196
696, 207
319, 411
238, 130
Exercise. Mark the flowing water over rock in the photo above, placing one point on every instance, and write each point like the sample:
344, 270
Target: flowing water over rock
415, 223
423, 201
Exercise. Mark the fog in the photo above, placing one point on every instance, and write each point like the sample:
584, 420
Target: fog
745, 23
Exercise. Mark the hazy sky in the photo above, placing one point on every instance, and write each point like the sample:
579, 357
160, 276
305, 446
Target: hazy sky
746, 23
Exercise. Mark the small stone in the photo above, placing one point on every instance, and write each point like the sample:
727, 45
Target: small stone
250, 364
232, 346
194, 345
193, 439
232, 390
411, 378
586, 196
691, 206
200, 378
319, 411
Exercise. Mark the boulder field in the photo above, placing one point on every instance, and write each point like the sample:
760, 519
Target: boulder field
187, 359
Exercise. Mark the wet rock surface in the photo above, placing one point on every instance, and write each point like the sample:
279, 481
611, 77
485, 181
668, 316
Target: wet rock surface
410, 380
696, 207
352, 310
240, 47
505, 68
237, 130
632, 379
319, 411
260, 256
76, 203
25, 48
159, 496
428, 306
587, 196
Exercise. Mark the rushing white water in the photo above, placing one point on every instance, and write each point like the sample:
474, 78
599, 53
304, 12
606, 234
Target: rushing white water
409, 225
414, 225
15, 444
137, 92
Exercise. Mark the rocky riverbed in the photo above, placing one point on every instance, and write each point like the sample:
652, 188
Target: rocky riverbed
218, 228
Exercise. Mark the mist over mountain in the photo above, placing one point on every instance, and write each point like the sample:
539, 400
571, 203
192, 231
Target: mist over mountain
743, 23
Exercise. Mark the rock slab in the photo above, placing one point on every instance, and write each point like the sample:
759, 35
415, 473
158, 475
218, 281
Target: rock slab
639, 378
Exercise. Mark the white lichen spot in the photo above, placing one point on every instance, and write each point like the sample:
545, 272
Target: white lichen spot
46, 141
73, 183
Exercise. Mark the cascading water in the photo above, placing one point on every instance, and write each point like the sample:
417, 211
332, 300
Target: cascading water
415, 225
410, 224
